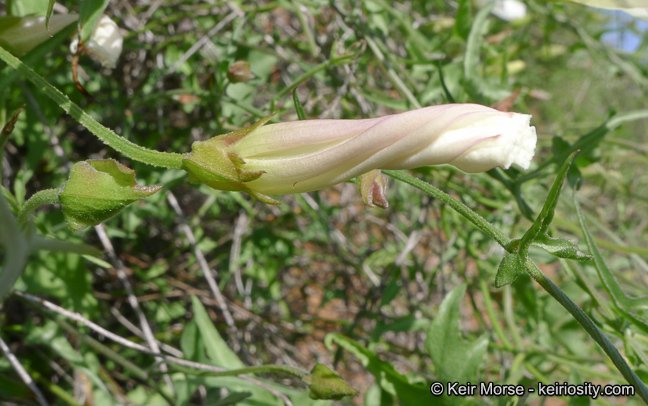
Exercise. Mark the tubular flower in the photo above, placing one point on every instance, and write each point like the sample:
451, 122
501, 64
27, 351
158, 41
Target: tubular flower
308, 155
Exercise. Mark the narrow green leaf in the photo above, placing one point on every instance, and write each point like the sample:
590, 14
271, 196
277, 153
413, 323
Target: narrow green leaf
298, 106
216, 347
561, 248
473, 47
509, 269
233, 399
462, 19
89, 13
16, 248
546, 215
389, 379
454, 359
618, 296
50, 8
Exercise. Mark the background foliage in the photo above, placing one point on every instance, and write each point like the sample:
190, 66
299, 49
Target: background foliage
391, 300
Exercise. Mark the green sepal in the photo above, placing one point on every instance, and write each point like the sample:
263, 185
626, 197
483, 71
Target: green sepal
561, 248
211, 162
97, 190
326, 384
512, 266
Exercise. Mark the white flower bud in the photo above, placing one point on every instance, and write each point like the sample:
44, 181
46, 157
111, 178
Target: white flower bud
105, 43
308, 155
303, 156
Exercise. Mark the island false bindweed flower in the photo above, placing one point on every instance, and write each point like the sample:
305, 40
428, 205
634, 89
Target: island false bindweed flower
21, 34
105, 43
308, 155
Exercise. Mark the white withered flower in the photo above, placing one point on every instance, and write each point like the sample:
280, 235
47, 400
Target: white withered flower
308, 155
105, 43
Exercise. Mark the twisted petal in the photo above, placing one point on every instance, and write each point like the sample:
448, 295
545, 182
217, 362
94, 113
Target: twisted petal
309, 155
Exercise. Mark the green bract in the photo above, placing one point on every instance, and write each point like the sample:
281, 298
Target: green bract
326, 384
97, 190
213, 163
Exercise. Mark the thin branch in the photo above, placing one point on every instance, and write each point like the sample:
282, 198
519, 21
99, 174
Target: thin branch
129, 344
204, 266
132, 300
24, 375
135, 330
202, 41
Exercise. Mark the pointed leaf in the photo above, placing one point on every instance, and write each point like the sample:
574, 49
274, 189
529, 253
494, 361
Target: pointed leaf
512, 266
216, 347
50, 9
561, 248
546, 215
620, 299
454, 359
386, 375
298, 106
475, 39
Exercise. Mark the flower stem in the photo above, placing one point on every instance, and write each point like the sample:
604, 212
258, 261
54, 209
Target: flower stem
590, 327
47, 196
532, 269
119, 144
461, 208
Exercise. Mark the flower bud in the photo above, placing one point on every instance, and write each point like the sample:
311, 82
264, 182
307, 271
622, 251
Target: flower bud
308, 155
239, 71
21, 34
105, 43
373, 189
97, 190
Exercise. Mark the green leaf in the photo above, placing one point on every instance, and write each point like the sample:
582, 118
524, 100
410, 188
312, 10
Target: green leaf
619, 298
232, 399
298, 106
473, 47
561, 248
462, 20
89, 13
50, 9
512, 266
386, 375
326, 384
544, 219
454, 359
216, 347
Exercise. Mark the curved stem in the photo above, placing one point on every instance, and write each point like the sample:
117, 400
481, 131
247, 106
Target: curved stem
590, 327
261, 369
119, 144
581, 317
461, 208
47, 196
